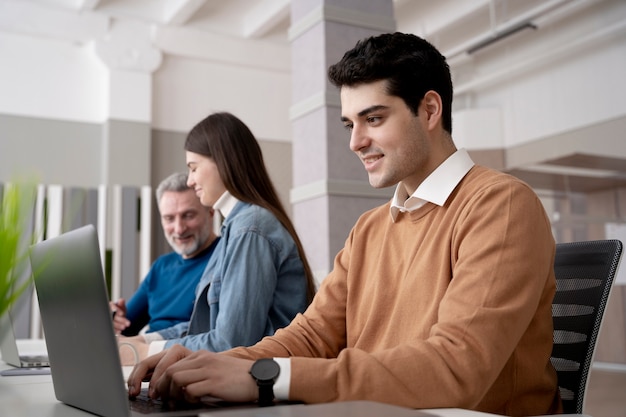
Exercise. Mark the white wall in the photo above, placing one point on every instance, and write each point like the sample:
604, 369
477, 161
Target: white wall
582, 89
51, 79
58, 98
187, 90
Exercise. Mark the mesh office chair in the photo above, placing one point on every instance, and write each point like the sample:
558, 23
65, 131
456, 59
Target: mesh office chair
584, 276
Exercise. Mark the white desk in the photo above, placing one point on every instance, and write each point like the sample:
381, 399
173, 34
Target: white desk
33, 396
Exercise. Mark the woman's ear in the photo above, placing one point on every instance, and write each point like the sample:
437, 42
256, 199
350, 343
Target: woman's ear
433, 107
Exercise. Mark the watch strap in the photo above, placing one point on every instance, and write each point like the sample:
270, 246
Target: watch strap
266, 393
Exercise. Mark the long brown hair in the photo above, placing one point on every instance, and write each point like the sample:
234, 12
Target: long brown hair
237, 154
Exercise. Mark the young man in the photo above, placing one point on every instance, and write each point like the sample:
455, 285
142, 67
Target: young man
166, 295
440, 298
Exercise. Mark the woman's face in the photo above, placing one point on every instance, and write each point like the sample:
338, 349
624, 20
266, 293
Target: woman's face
204, 178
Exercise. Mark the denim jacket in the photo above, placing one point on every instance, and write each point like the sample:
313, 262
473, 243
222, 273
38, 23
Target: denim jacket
256, 285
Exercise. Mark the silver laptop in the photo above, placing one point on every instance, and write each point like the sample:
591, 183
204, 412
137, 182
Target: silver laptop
82, 348
10, 352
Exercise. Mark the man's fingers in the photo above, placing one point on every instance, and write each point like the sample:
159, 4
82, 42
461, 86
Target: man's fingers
142, 372
171, 356
204, 373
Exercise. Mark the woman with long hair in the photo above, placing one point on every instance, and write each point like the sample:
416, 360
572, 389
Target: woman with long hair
258, 278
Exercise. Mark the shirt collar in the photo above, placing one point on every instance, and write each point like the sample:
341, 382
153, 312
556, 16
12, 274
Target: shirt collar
436, 188
225, 204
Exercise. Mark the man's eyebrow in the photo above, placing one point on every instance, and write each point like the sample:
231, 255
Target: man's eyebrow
366, 111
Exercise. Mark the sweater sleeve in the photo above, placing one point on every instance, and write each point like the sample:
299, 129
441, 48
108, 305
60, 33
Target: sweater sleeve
137, 307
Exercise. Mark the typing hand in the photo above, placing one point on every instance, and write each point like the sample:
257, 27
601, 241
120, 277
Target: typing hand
180, 374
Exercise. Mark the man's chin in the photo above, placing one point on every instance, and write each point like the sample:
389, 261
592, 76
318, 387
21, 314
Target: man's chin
185, 250
378, 183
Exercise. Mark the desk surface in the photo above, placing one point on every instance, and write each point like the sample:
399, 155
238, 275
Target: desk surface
33, 396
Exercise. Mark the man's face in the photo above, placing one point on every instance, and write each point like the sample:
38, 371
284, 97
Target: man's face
186, 223
388, 138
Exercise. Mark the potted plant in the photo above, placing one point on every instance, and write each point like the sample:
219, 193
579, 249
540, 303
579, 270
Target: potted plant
16, 208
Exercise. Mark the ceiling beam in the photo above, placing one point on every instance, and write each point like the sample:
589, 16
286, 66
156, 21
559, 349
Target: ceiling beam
265, 17
179, 12
32, 19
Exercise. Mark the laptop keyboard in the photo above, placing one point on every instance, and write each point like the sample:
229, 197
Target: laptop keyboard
146, 405
34, 360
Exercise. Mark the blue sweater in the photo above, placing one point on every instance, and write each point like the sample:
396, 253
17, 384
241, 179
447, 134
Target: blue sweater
166, 295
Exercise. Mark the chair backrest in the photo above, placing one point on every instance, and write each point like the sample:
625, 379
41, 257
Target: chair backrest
584, 275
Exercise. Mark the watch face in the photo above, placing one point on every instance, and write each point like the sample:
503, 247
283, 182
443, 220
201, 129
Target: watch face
265, 369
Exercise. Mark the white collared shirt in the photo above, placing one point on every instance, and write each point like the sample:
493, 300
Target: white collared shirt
436, 188
225, 204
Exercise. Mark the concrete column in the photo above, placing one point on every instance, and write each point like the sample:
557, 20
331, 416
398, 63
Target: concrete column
331, 187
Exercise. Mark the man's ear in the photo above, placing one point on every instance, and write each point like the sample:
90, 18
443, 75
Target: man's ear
431, 103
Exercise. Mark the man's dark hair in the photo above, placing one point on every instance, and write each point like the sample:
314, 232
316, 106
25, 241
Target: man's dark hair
410, 65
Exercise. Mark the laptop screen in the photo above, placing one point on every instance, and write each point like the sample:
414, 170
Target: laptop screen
73, 300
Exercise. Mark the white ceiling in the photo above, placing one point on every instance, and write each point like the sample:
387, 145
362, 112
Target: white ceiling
447, 22
457, 27
239, 18
454, 26
246, 19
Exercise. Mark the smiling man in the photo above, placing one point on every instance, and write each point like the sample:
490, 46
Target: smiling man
439, 298
167, 294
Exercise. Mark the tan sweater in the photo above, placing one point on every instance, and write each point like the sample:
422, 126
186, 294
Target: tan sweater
447, 307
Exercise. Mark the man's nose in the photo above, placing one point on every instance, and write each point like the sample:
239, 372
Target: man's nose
358, 138
180, 225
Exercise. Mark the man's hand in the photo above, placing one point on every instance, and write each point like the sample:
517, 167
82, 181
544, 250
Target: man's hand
118, 312
180, 374
132, 349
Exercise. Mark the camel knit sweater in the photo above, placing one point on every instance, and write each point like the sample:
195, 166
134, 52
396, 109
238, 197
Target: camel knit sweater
448, 306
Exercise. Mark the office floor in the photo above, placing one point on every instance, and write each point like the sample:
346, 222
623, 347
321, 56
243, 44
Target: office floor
606, 394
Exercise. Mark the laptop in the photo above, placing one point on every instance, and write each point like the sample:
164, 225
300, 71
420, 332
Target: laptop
82, 348
10, 352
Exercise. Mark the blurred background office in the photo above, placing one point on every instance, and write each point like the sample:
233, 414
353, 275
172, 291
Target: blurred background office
99, 95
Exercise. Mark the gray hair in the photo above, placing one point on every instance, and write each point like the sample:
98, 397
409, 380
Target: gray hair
175, 182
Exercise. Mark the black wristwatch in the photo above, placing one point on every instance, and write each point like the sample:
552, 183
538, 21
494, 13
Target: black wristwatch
265, 372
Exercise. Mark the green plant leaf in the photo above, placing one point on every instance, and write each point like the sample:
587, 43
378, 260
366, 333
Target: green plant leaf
16, 214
